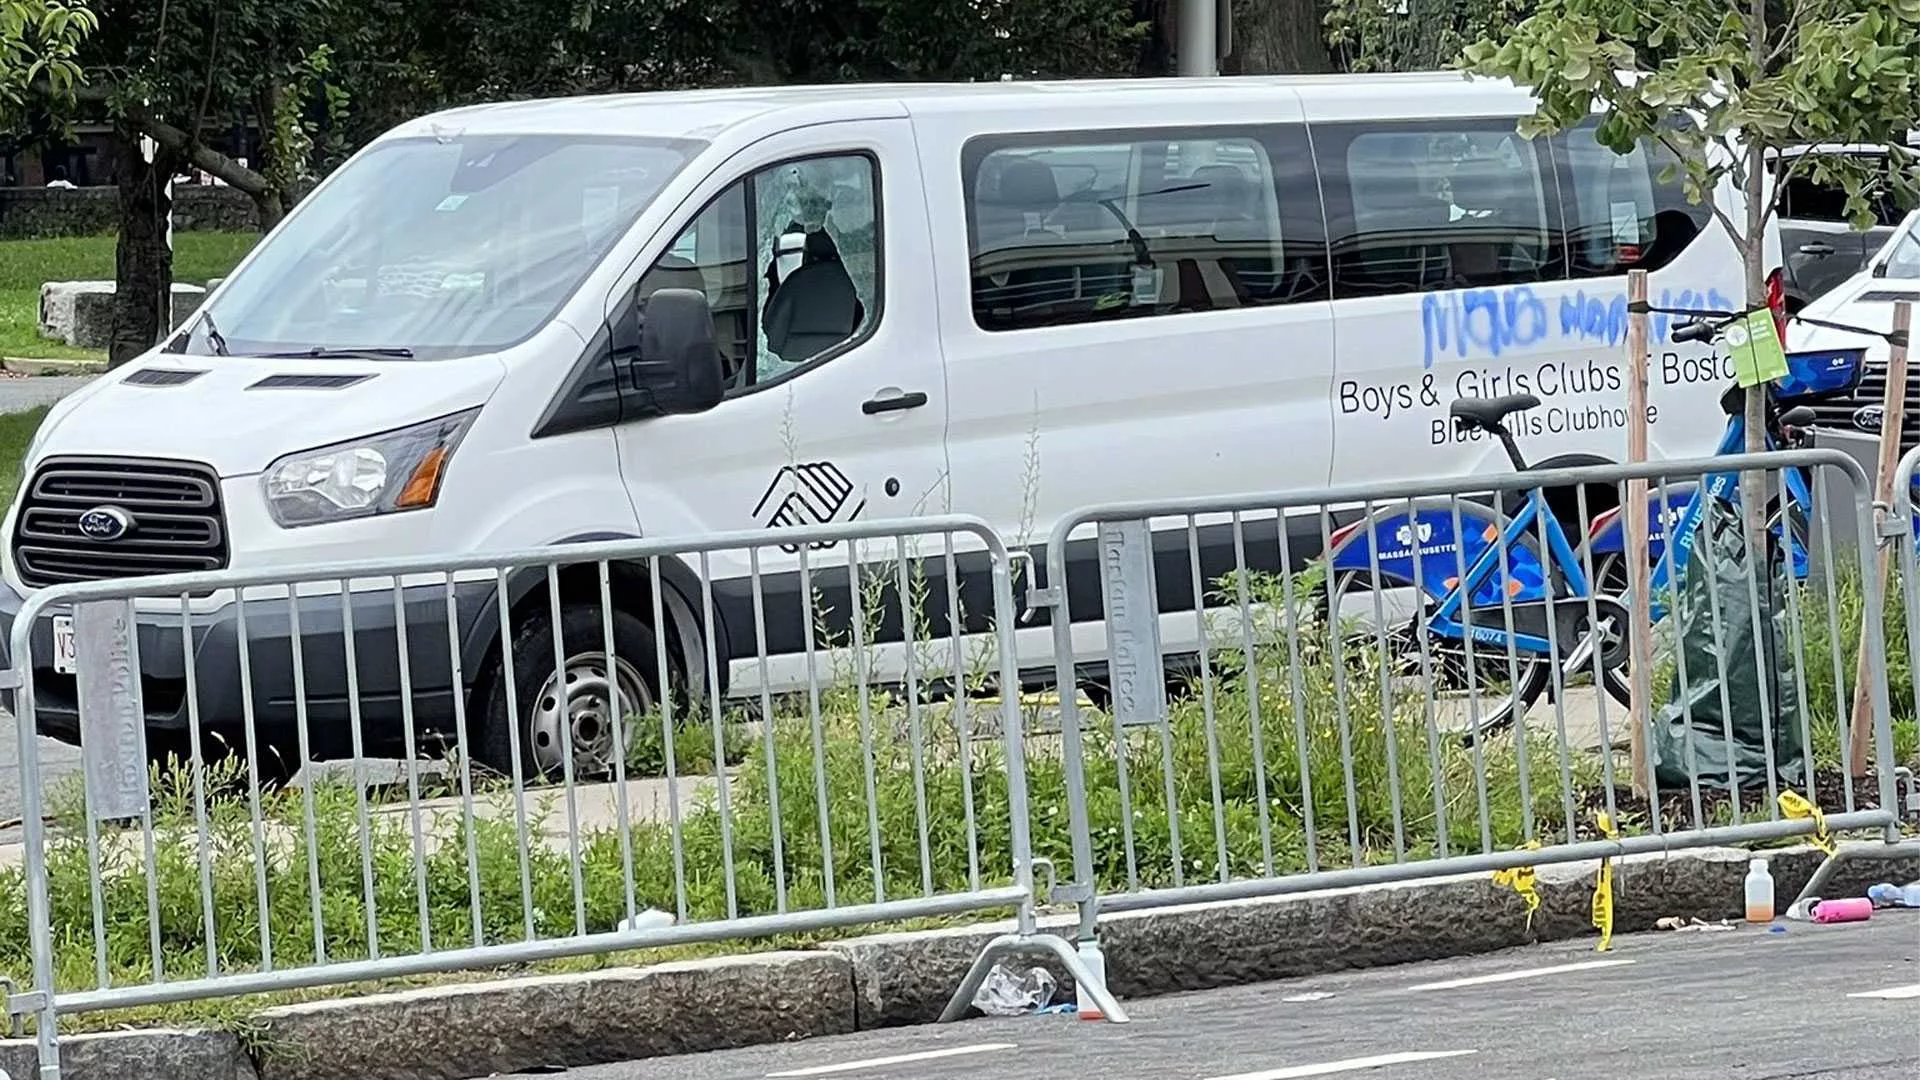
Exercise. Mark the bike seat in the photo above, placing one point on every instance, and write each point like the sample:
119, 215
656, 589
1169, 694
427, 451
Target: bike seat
1486, 413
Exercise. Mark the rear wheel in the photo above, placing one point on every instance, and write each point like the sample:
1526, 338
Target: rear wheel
1477, 691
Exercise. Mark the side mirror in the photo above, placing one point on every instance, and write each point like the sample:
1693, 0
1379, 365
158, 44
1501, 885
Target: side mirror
1879, 270
678, 367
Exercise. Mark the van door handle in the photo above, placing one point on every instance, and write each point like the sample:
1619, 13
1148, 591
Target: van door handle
1816, 248
896, 402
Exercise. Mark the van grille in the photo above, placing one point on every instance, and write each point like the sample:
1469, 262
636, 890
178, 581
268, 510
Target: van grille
177, 525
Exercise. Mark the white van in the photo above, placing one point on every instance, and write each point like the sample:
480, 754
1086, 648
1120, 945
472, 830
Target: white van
1162, 288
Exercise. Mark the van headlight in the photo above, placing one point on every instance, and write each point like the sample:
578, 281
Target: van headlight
380, 474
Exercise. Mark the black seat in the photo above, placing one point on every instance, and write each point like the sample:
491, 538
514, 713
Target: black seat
816, 307
1486, 413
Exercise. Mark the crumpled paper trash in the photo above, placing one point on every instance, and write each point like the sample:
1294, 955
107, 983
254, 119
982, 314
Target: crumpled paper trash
1010, 992
1680, 925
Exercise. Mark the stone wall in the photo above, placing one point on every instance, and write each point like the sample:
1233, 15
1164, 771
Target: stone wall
37, 213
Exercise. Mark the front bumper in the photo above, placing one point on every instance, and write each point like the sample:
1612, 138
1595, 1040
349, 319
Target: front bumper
221, 695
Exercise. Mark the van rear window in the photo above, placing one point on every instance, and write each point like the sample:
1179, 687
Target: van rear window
1627, 211
1443, 208
1087, 226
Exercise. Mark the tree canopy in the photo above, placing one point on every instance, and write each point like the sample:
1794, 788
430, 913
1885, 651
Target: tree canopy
40, 43
1735, 91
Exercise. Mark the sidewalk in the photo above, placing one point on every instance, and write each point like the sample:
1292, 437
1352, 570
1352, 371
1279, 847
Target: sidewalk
595, 808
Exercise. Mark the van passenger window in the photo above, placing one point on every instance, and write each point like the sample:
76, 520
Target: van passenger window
1627, 211
789, 260
1089, 226
1438, 206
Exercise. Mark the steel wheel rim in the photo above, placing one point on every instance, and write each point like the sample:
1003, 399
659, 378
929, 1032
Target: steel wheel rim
597, 698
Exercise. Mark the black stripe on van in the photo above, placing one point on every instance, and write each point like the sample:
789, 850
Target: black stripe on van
1173, 570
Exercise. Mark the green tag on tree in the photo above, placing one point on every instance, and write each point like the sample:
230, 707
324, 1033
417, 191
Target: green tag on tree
1754, 344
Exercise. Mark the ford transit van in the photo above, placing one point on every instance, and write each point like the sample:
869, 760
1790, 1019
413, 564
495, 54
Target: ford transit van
546, 322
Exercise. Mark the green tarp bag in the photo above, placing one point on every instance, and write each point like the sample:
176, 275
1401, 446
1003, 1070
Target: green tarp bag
1729, 740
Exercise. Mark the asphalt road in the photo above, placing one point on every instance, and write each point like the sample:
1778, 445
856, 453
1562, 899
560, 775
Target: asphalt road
56, 759
1742, 1005
21, 394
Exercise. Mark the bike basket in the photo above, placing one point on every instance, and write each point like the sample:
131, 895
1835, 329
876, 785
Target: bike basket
1812, 376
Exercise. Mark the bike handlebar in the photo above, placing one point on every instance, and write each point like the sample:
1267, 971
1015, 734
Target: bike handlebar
1708, 324
1694, 331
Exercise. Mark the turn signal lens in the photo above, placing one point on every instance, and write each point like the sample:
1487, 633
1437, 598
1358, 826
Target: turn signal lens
424, 484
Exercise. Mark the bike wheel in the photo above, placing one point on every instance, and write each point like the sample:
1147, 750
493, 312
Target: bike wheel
1610, 579
1478, 692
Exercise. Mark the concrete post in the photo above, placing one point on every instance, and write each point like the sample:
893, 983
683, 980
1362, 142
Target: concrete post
1198, 45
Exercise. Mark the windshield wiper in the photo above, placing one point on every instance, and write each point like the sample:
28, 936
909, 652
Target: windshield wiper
215, 340
321, 352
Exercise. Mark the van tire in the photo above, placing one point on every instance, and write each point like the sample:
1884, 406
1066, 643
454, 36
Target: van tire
533, 721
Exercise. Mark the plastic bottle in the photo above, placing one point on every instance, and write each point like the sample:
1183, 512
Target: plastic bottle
1084, 1005
1850, 909
646, 919
1759, 892
1885, 896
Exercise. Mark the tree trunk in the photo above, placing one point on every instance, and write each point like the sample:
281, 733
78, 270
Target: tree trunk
143, 263
1279, 37
269, 208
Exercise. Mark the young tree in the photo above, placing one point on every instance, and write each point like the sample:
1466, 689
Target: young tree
1731, 88
165, 74
39, 47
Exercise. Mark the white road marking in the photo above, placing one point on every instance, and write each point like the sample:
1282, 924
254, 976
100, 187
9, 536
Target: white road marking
1892, 993
898, 1059
1515, 976
1292, 1072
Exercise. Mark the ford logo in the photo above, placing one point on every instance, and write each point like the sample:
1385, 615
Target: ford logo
1869, 418
105, 523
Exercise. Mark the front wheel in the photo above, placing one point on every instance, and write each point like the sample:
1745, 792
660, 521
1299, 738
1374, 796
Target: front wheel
587, 704
1610, 579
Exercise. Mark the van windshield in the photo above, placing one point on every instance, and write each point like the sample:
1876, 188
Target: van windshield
1904, 262
436, 248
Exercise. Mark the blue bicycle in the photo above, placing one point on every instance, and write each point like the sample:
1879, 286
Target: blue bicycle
1474, 603
1479, 605
1677, 508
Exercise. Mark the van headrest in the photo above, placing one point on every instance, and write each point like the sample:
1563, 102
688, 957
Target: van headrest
1028, 185
821, 248
1231, 193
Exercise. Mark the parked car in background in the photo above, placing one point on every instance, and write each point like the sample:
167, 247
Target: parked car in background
1822, 247
1866, 299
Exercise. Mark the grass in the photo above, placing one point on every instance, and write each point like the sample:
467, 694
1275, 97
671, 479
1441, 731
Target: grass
1244, 755
16, 431
26, 264
912, 839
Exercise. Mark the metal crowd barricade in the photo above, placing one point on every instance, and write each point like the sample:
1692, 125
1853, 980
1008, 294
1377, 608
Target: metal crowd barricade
1895, 527
1313, 739
829, 789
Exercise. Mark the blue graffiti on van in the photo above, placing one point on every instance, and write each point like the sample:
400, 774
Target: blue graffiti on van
1482, 321
1490, 322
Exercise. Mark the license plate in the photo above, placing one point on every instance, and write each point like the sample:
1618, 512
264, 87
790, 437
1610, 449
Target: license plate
65, 654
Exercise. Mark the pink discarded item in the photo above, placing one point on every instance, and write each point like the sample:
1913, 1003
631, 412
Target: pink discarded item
1851, 909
